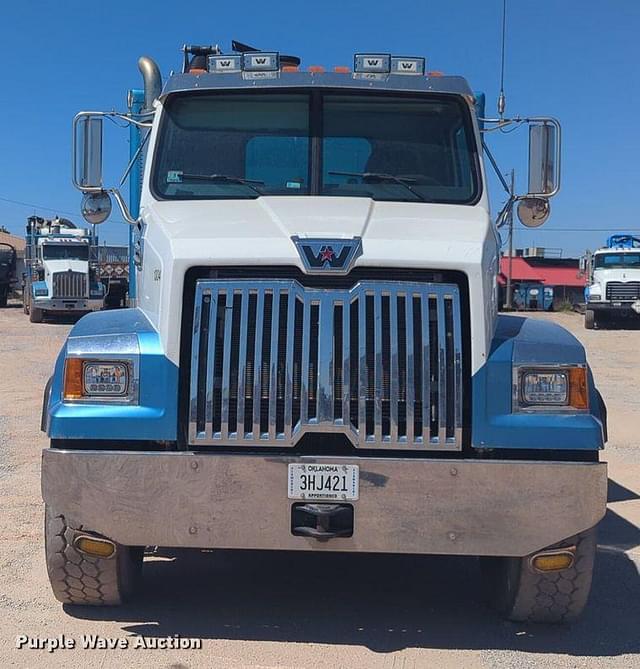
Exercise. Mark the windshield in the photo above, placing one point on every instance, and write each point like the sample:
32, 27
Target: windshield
386, 147
617, 260
65, 252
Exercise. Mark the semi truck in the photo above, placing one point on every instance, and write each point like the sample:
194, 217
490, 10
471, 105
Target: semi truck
314, 359
58, 277
613, 293
8, 260
67, 272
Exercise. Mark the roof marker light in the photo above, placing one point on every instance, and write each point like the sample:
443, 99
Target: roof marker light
376, 63
342, 69
224, 64
316, 69
409, 65
260, 61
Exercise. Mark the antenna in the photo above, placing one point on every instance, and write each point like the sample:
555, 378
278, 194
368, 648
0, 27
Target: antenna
502, 100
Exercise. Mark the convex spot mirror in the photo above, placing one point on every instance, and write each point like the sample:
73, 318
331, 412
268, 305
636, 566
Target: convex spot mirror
96, 207
87, 152
533, 211
544, 159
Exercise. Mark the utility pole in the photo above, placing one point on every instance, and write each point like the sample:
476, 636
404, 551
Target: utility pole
509, 302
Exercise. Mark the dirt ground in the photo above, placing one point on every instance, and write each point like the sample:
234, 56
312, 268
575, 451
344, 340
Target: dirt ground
321, 611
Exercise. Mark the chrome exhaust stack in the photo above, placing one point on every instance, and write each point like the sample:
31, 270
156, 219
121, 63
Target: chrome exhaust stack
152, 81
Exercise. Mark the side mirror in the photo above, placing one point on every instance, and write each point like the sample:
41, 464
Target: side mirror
96, 207
544, 158
87, 152
533, 211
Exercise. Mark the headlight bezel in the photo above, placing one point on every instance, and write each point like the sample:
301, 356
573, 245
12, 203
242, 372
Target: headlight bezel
577, 389
74, 389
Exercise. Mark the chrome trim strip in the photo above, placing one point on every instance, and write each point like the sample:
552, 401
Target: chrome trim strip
388, 401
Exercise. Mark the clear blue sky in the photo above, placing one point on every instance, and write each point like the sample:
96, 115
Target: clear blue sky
578, 60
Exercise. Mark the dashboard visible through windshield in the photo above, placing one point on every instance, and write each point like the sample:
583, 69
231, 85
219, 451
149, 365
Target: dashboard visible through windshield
384, 146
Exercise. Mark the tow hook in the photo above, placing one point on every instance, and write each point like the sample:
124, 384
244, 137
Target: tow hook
322, 521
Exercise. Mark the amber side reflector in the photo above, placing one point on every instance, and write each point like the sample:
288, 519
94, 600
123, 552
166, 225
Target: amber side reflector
578, 388
72, 379
553, 560
316, 68
94, 546
342, 69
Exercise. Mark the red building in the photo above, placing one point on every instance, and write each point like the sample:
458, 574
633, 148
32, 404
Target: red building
536, 273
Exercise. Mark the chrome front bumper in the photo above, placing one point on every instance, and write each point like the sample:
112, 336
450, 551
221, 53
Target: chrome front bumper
463, 507
67, 304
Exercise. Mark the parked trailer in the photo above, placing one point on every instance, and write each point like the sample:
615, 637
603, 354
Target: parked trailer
113, 272
315, 361
8, 260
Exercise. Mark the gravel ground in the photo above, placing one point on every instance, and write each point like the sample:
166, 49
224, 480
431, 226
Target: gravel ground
275, 610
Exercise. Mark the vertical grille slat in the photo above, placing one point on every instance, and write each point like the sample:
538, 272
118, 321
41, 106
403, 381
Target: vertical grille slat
346, 362
304, 375
273, 363
380, 363
442, 373
394, 382
289, 366
226, 365
211, 305
242, 362
362, 367
257, 365
410, 392
426, 371
378, 388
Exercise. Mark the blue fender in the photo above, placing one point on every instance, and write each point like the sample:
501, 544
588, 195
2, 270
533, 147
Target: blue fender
154, 416
495, 424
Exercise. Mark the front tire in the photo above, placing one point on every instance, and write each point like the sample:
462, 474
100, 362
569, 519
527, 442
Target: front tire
77, 578
522, 594
4, 294
589, 319
36, 315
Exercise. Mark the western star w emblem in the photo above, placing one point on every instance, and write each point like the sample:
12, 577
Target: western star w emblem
328, 255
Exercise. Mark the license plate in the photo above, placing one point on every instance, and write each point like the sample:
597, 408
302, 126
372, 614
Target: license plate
324, 482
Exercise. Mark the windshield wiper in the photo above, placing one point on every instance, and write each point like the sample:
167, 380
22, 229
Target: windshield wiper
225, 178
384, 177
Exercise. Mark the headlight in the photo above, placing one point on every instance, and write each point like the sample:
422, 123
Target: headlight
97, 379
594, 298
558, 387
41, 292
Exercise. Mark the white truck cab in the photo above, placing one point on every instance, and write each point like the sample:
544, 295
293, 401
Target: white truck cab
614, 289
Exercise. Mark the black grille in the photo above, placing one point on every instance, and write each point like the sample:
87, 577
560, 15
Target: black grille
620, 291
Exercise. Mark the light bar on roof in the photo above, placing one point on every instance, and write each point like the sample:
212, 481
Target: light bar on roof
260, 61
224, 64
372, 63
408, 65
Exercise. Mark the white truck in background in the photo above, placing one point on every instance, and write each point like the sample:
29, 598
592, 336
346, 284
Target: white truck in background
58, 275
613, 293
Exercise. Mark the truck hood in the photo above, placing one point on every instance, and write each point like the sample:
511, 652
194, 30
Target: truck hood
180, 235
604, 275
259, 231
52, 266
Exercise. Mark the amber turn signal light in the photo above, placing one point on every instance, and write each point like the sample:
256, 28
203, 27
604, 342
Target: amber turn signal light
94, 546
553, 560
578, 388
73, 379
